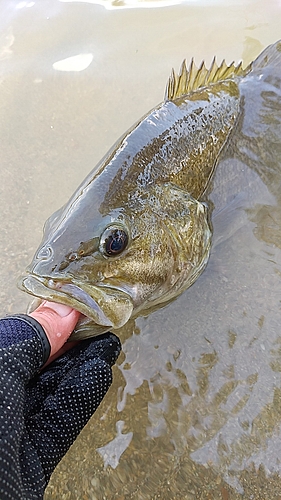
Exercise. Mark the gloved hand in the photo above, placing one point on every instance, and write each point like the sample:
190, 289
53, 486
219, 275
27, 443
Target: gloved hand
42, 412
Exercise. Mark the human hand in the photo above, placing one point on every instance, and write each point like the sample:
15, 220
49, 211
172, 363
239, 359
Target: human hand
50, 406
58, 322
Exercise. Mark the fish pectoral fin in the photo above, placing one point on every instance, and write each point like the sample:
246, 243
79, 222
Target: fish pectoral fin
192, 78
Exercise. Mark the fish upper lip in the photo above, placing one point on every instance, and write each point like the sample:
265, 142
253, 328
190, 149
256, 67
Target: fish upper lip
65, 293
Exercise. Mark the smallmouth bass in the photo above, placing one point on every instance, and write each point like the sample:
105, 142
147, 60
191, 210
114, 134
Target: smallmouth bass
136, 232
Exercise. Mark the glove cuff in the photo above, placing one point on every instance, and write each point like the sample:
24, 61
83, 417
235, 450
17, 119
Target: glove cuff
36, 327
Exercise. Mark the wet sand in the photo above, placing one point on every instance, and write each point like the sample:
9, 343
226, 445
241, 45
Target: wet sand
194, 410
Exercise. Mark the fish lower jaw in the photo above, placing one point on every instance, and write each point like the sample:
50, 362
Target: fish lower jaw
99, 318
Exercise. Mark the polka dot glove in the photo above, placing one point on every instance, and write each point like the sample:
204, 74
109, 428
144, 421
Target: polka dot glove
41, 413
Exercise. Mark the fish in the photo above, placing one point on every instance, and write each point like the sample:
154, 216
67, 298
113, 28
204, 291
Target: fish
137, 232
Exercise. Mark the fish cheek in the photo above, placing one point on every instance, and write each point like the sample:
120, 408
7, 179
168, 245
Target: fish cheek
145, 266
142, 267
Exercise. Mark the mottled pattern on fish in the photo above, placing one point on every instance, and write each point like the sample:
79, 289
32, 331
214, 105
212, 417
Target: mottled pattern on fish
135, 234
177, 142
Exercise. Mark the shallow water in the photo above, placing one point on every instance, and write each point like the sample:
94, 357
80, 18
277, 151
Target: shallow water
194, 410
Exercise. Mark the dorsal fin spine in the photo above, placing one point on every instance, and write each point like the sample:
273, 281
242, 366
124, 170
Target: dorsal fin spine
193, 78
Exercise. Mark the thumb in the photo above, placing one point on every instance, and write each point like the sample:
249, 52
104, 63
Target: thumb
58, 322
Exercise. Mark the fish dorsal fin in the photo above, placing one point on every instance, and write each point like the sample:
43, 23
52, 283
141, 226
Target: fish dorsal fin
193, 78
271, 56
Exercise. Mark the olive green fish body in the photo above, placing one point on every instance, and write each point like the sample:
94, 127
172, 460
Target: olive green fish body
178, 143
135, 234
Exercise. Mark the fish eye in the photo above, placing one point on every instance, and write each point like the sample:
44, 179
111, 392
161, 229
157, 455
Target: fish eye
113, 240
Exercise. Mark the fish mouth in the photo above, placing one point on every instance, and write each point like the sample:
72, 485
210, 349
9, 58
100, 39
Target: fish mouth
104, 307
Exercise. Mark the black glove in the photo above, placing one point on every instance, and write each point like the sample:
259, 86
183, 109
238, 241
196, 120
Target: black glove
41, 414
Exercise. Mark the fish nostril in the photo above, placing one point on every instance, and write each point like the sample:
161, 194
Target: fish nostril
45, 253
73, 256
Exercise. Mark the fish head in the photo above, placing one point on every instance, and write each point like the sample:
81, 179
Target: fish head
113, 265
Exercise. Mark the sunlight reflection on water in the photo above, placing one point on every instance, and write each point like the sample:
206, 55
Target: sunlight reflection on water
152, 4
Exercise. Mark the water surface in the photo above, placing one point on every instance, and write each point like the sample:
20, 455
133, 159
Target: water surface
194, 410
